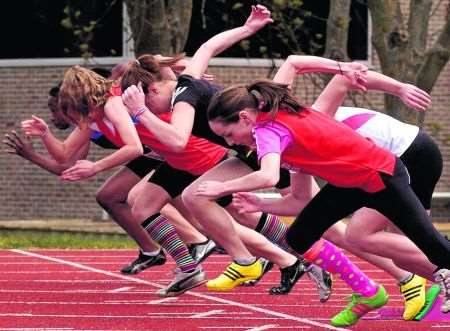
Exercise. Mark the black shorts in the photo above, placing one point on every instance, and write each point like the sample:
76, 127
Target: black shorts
250, 158
172, 180
423, 160
142, 165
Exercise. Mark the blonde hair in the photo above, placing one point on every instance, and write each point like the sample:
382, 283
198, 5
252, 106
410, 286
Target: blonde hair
82, 90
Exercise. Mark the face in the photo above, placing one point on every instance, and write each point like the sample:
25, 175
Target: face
239, 133
56, 116
158, 97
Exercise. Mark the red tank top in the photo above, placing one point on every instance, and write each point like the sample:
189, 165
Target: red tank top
328, 149
199, 156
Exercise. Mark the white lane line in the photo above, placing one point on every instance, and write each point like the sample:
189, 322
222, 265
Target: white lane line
212, 298
157, 302
263, 327
120, 289
207, 313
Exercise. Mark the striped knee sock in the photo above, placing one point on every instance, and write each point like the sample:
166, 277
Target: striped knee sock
274, 229
165, 234
332, 259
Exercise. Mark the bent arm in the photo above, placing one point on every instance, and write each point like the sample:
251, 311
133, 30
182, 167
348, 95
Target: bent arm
259, 17
117, 113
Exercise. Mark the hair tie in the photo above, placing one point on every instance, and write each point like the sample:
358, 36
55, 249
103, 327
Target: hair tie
259, 100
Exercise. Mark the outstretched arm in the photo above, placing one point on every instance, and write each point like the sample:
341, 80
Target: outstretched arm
23, 148
61, 151
300, 64
259, 17
267, 176
335, 92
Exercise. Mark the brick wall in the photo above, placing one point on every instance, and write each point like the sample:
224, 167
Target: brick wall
27, 192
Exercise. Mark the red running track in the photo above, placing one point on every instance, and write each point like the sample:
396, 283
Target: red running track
62, 290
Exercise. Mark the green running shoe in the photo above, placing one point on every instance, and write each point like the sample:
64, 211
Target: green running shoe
359, 306
430, 298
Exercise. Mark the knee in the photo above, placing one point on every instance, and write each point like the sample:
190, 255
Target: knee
191, 200
354, 238
104, 198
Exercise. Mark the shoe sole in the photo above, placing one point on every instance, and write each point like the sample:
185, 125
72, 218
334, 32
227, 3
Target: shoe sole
430, 298
175, 294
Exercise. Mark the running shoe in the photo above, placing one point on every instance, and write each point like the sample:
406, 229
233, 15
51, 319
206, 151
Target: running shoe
359, 306
200, 252
322, 279
413, 293
442, 276
143, 262
266, 267
430, 298
183, 281
234, 275
289, 277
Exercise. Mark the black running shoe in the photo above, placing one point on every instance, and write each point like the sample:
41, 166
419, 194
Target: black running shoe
183, 281
266, 267
200, 252
289, 276
143, 262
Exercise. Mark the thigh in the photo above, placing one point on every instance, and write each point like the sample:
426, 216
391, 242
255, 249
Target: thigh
117, 186
228, 169
366, 221
172, 180
327, 207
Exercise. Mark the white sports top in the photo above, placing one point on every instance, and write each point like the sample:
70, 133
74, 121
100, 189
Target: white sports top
383, 130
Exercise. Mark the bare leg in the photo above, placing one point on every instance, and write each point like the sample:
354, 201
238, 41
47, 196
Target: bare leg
365, 233
177, 214
112, 196
216, 221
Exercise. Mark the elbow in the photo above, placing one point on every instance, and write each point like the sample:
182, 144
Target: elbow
206, 49
138, 150
179, 145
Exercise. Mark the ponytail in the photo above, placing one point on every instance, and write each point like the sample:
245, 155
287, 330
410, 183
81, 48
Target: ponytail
146, 69
262, 96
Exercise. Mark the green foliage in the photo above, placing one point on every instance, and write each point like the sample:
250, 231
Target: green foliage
47, 239
82, 27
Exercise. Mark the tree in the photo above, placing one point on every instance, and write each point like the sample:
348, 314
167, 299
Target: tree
159, 26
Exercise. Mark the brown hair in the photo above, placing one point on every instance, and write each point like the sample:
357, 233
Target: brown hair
82, 89
147, 70
262, 96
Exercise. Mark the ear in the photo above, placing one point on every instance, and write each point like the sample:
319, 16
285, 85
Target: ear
247, 116
153, 89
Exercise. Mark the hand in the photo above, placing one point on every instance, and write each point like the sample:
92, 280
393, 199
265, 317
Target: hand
259, 17
356, 73
246, 202
17, 146
81, 170
414, 97
134, 98
211, 189
36, 127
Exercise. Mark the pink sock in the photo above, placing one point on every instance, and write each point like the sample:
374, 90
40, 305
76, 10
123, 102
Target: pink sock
332, 259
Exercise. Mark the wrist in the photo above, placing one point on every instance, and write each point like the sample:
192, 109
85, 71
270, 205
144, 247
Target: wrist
139, 111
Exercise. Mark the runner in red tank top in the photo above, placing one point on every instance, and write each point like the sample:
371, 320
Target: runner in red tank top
265, 116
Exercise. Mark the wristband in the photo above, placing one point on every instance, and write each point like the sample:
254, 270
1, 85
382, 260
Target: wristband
140, 111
